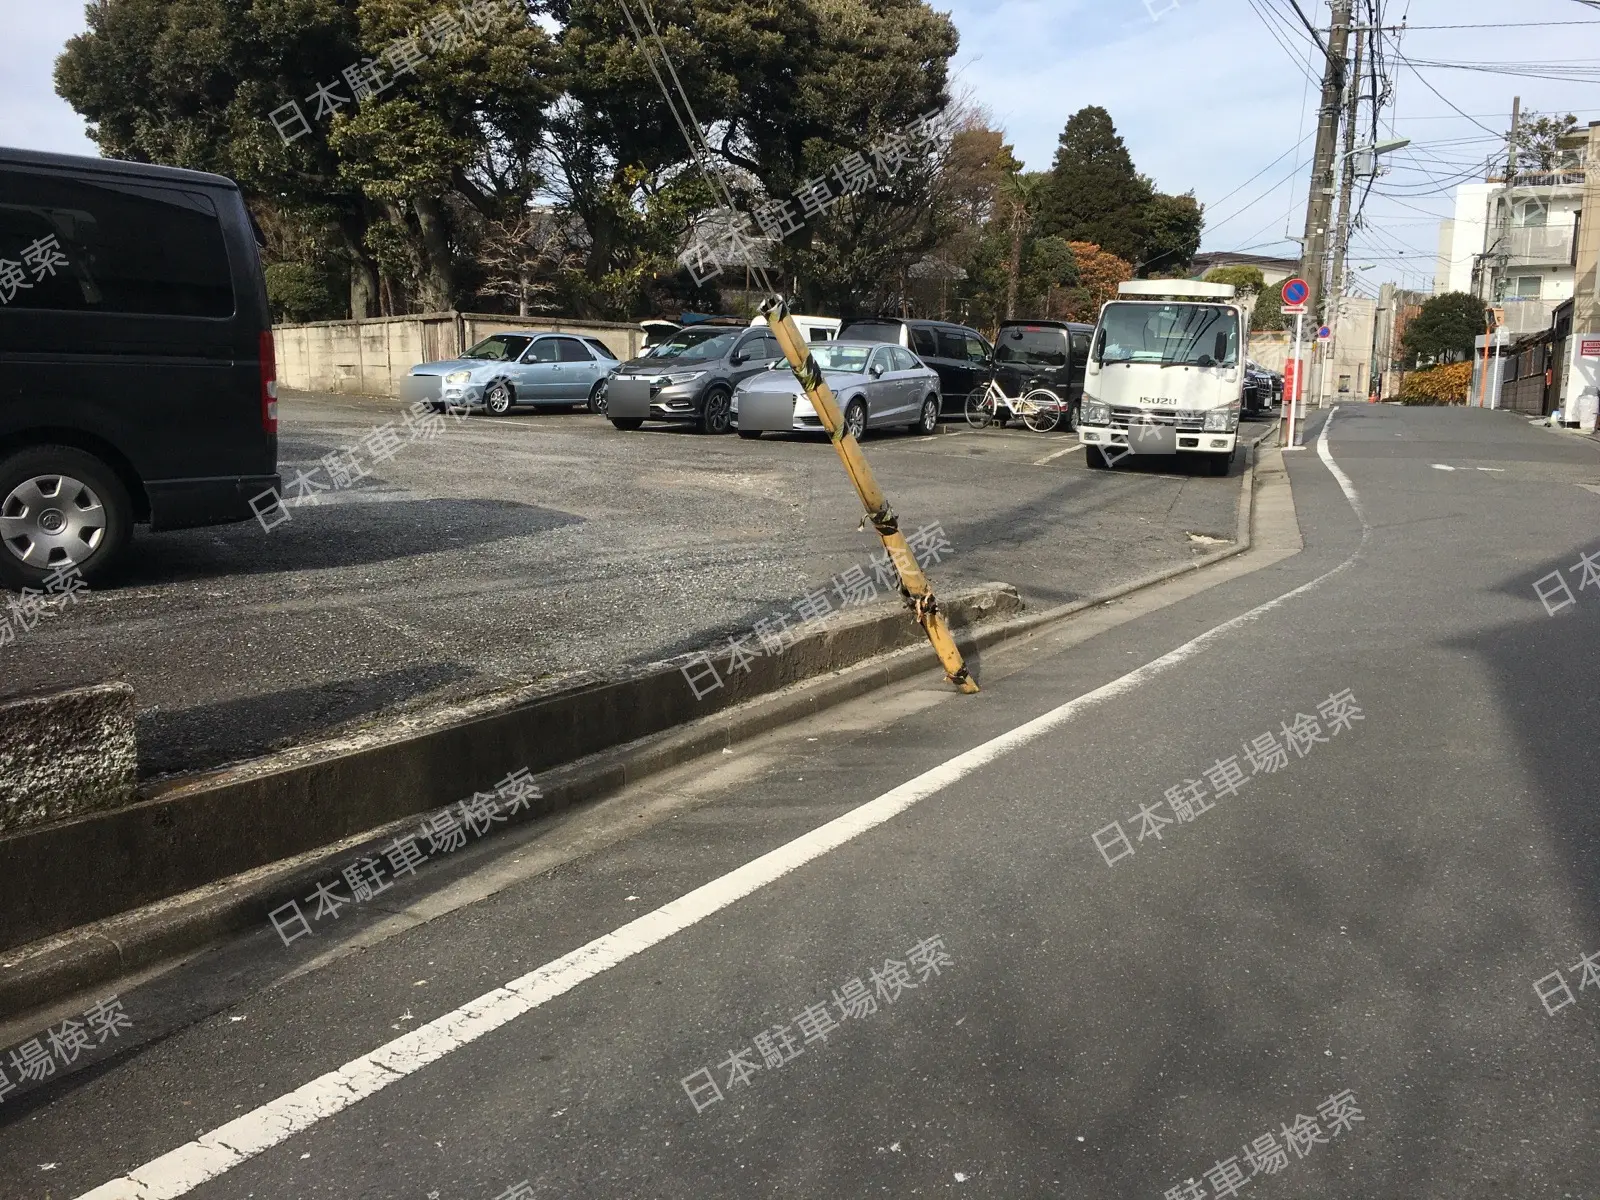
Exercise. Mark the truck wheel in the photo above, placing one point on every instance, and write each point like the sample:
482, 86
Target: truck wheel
60, 507
1220, 464
628, 423
1095, 458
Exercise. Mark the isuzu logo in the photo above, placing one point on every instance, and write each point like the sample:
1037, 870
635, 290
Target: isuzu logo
1156, 400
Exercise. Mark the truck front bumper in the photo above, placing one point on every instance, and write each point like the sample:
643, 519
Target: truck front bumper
1190, 441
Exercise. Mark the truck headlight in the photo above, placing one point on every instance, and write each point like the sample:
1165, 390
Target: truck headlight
1222, 420
1096, 412
457, 378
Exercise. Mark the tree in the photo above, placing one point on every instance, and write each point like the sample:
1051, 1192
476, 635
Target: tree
1245, 278
389, 178
1172, 226
1095, 195
1445, 328
1099, 273
1268, 311
1536, 140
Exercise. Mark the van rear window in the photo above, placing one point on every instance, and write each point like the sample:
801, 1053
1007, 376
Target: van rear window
66, 244
1034, 346
872, 331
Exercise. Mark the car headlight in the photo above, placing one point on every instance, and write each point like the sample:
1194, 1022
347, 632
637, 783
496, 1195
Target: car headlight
1096, 412
675, 380
456, 378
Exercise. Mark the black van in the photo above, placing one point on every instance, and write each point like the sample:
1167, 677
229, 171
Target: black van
1047, 354
137, 376
960, 355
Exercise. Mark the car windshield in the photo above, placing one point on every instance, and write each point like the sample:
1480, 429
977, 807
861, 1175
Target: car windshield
1033, 346
502, 347
835, 357
1170, 334
697, 344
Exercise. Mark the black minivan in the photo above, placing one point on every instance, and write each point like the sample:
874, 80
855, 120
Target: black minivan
960, 356
1047, 354
137, 375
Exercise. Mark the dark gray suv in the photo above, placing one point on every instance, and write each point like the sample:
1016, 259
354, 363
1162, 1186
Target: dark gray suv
690, 377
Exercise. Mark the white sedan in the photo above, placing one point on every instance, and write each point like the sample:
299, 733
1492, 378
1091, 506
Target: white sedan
877, 387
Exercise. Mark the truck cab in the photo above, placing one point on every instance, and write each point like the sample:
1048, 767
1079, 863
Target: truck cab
1166, 374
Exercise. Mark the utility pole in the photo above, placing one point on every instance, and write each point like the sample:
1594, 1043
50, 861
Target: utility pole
1511, 141
1347, 182
1319, 200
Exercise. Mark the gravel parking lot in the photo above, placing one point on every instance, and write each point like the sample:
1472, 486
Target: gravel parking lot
505, 550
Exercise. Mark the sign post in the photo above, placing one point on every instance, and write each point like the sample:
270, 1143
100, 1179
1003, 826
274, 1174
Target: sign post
1296, 291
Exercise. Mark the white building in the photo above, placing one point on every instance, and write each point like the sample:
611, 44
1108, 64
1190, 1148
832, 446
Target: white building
1512, 242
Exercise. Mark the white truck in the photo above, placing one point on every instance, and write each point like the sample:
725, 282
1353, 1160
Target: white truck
1166, 373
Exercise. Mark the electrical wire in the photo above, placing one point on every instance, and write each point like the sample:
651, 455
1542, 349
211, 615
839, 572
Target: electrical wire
699, 149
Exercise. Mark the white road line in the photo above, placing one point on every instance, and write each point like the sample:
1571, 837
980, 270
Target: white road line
212, 1154
1076, 445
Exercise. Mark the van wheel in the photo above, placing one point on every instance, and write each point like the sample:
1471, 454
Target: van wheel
498, 398
59, 508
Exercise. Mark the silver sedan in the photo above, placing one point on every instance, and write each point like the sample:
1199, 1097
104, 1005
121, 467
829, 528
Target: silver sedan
877, 387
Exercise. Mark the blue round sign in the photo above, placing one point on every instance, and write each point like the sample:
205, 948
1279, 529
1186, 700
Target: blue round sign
1295, 291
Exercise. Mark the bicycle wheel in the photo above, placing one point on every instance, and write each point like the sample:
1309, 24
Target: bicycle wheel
980, 409
1041, 410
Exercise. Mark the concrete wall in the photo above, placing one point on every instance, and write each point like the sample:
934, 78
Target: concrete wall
1270, 348
370, 357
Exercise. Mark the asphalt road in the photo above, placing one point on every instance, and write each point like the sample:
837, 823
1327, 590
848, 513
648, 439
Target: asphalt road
1370, 918
504, 551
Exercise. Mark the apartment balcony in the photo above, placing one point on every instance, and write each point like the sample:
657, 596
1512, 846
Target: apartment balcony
1526, 316
1536, 245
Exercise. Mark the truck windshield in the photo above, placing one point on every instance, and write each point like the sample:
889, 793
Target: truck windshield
1174, 335
1034, 346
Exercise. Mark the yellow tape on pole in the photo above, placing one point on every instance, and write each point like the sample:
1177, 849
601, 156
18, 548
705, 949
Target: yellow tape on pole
914, 585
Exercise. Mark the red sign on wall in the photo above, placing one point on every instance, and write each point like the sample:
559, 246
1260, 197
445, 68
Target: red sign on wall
1589, 348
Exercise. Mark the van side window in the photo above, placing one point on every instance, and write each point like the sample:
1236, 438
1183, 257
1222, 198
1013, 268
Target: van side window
977, 349
1080, 347
924, 343
66, 244
952, 344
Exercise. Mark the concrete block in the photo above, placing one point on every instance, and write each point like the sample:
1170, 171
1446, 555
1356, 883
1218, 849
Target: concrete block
66, 754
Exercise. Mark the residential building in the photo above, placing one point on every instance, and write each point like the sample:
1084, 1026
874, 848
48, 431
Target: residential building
1273, 270
1512, 240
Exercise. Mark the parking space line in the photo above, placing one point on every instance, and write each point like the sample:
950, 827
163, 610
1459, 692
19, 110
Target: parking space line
1076, 445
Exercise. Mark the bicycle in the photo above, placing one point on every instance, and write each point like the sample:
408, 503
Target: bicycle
1041, 409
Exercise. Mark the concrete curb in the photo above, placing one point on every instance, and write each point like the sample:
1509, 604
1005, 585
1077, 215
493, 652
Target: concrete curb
60, 963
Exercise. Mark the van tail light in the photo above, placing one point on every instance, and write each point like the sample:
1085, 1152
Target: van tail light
269, 384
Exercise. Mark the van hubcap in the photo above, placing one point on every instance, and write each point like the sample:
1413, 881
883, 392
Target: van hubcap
52, 521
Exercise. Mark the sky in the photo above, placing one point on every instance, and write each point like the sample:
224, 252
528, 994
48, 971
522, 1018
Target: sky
1213, 96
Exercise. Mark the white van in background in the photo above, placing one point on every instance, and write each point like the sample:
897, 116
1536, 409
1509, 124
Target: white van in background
813, 329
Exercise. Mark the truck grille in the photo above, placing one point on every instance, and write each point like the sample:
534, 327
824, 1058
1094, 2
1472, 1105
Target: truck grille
1121, 418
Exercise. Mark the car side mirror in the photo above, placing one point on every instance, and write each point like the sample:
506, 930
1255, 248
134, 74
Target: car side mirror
737, 359
876, 370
